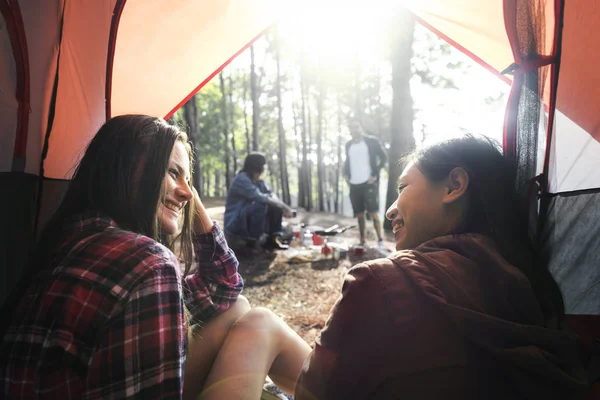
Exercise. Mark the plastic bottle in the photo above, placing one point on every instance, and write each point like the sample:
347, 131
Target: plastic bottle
307, 238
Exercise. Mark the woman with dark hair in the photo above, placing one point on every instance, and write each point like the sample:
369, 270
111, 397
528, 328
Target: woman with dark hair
463, 309
252, 210
105, 310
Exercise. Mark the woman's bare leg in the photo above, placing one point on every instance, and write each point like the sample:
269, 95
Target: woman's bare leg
204, 345
258, 344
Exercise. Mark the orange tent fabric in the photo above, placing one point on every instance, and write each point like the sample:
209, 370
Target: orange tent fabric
108, 57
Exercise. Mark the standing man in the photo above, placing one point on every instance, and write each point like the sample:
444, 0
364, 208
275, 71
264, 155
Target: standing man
364, 159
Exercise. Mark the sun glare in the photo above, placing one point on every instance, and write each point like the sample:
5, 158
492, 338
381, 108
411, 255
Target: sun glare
336, 34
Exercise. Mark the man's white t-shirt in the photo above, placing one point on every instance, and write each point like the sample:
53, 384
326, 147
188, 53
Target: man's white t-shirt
359, 162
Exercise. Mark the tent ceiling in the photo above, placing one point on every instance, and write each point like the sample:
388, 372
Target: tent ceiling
162, 54
472, 25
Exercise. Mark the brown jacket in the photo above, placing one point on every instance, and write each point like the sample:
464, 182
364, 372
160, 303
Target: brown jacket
448, 320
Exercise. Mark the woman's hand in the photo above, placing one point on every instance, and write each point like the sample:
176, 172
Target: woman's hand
288, 214
202, 222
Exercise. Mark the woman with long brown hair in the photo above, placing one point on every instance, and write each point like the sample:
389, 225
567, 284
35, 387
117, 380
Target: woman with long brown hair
105, 311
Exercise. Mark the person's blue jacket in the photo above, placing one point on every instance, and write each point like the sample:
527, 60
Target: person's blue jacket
241, 193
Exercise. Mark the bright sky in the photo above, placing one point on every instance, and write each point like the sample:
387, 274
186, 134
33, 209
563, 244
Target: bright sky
333, 33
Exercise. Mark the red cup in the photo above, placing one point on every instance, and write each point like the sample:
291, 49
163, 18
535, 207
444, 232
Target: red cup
317, 240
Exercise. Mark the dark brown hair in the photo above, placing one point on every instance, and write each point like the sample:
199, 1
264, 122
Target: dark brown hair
494, 209
121, 175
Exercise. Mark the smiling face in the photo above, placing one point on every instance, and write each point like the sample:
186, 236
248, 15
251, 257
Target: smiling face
176, 189
425, 210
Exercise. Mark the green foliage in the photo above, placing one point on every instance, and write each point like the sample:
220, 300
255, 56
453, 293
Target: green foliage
359, 86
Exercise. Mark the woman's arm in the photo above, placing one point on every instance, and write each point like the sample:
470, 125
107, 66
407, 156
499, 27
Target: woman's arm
216, 283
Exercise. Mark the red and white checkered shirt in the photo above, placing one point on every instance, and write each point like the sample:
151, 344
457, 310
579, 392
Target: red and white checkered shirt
107, 319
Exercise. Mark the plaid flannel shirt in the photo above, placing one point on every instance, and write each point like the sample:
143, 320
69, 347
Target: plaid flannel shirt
107, 321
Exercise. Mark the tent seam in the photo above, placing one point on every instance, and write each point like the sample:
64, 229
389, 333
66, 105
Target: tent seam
204, 82
16, 31
110, 56
51, 115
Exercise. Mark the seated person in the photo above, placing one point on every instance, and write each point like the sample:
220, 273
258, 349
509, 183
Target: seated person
463, 310
251, 209
106, 311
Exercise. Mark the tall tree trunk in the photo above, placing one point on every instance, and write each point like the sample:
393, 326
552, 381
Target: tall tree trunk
378, 116
320, 166
339, 165
273, 181
285, 186
245, 95
254, 94
225, 122
402, 140
309, 181
190, 115
304, 181
207, 179
232, 124
299, 152
217, 191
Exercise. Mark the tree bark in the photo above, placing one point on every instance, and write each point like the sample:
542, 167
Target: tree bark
190, 115
254, 94
245, 95
339, 165
285, 186
299, 152
304, 181
309, 181
207, 179
225, 122
232, 125
402, 140
217, 189
319, 138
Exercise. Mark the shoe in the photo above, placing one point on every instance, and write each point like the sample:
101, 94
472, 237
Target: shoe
286, 238
380, 244
275, 244
362, 243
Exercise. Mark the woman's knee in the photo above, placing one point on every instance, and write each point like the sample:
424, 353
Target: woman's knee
259, 319
241, 305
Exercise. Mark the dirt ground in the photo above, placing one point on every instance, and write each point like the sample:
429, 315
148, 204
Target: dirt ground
301, 294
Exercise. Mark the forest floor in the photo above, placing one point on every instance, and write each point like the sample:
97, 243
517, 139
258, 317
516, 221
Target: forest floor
301, 293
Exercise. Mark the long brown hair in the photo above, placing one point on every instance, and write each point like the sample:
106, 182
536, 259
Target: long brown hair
121, 175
